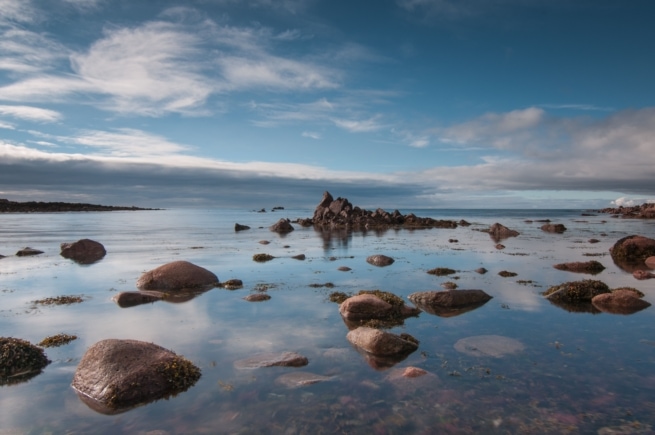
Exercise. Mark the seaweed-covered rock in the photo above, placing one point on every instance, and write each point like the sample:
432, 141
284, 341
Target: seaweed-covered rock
632, 249
553, 228
382, 343
375, 308
592, 267
380, 260
620, 301
20, 360
27, 252
282, 226
116, 375
178, 275
84, 251
576, 291
449, 303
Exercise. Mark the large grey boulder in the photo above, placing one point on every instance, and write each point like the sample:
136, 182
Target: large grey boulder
84, 251
178, 275
116, 375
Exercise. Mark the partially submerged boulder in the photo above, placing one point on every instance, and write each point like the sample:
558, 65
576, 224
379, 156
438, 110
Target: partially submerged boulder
375, 308
499, 232
272, 359
592, 267
20, 360
382, 343
380, 260
576, 291
449, 303
178, 275
620, 301
116, 375
282, 226
238, 227
632, 250
132, 299
553, 228
84, 251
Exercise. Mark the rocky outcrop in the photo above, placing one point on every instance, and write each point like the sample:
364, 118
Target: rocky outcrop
380, 260
116, 375
84, 251
449, 303
620, 301
176, 276
499, 232
643, 211
272, 359
382, 343
20, 360
283, 226
592, 267
340, 213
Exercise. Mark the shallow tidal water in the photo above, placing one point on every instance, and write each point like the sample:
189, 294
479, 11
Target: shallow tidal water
577, 373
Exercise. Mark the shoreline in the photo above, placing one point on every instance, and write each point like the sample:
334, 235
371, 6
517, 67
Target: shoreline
7, 206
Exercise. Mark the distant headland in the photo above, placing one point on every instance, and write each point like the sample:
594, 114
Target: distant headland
7, 206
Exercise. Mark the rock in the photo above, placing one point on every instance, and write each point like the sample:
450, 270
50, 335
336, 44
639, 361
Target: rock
257, 297
592, 267
25, 252
632, 250
481, 270
576, 291
382, 343
499, 232
411, 380
262, 258
650, 262
553, 228
178, 275
299, 257
620, 301
283, 359
84, 251
500, 246
344, 269
643, 211
449, 303
371, 305
131, 299
643, 274
495, 346
593, 241
380, 260
231, 284
120, 374
300, 379
20, 360
238, 227
283, 226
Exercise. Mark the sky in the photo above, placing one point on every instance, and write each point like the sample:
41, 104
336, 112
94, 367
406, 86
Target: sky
389, 103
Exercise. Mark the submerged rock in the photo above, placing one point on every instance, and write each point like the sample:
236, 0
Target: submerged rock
257, 297
495, 346
178, 275
449, 303
371, 305
380, 260
592, 267
84, 251
382, 343
116, 375
20, 360
620, 301
272, 359
132, 299
300, 379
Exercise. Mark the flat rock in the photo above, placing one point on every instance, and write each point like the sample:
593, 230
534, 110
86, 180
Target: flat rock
495, 346
379, 260
27, 251
272, 359
449, 303
592, 267
178, 275
84, 251
131, 299
620, 301
300, 379
257, 297
382, 343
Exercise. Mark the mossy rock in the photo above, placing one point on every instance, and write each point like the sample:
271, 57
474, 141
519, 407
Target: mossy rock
576, 291
441, 271
20, 360
262, 258
57, 340
388, 297
593, 267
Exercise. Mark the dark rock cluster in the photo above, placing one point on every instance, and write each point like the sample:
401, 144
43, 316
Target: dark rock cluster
7, 206
643, 211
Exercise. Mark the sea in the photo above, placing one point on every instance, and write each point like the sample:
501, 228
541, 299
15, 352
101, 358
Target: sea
575, 371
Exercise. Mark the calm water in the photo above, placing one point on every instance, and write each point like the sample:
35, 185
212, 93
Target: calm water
579, 372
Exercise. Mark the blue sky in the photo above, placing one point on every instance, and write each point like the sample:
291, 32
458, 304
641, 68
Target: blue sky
390, 103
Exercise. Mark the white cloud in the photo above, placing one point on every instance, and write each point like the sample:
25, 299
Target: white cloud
311, 134
20, 11
125, 142
31, 113
7, 126
359, 126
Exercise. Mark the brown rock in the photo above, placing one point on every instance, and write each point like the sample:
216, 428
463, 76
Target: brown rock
257, 297
382, 343
643, 274
449, 303
282, 226
620, 301
271, 359
592, 267
131, 299
553, 228
413, 372
238, 227
632, 249
499, 232
20, 360
650, 262
26, 252
379, 260
366, 306
576, 291
178, 275
120, 374
84, 251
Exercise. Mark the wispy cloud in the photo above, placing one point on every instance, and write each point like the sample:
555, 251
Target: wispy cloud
588, 107
31, 113
311, 134
359, 126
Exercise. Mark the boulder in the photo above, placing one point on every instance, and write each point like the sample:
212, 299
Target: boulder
375, 308
20, 360
379, 260
257, 297
116, 375
382, 343
27, 251
131, 299
620, 301
650, 262
84, 251
272, 359
449, 303
238, 227
499, 232
178, 275
632, 249
592, 267
283, 226
553, 228
576, 291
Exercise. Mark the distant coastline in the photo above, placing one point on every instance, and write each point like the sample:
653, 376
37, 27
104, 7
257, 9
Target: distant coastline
7, 206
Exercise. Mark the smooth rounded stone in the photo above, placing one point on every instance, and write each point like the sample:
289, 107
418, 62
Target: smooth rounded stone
84, 251
344, 269
434, 301
650, 262
500, 246
257, 297
272, 359
576, 291
232, 284
177, 275
366, 306
481, 270
553, 228
20, 360
620, 301
379, 260
495, 346
382, 343
264, 242
282, 226
116, 375
131, 299
27, 251
300, 379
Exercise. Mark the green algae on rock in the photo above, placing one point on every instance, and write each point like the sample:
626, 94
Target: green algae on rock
441, 271
262, 258
57, 340
576, 291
